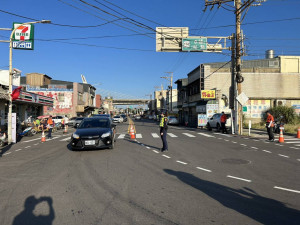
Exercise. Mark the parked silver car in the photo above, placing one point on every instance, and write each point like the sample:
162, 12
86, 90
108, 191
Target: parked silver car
173, 120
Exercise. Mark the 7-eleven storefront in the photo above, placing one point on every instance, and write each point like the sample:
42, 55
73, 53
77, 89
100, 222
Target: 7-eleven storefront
29, 104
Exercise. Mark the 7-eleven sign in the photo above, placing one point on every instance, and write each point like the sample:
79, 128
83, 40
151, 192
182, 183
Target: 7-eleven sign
23, 36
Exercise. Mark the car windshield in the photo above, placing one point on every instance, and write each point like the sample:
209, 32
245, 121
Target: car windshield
94, 123
80, 118
172, 117
116, 117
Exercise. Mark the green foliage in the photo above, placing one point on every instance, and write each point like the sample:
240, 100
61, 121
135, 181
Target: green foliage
288, 113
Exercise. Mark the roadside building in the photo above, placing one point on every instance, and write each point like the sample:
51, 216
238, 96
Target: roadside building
267, 82
160, 102
182, 99
70, 98
171, 105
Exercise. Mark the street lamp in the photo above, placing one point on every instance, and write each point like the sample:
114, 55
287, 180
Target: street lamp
170, 78
9, 122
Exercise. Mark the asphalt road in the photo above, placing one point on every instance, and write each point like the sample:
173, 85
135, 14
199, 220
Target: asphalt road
204, 178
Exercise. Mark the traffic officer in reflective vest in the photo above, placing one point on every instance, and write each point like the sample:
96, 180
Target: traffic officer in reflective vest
270, 126
163, 131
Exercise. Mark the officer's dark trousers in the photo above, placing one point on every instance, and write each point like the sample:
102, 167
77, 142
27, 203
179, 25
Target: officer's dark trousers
164, 140
270, 133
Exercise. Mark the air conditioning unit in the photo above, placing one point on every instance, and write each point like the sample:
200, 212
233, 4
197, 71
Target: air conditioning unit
280, 102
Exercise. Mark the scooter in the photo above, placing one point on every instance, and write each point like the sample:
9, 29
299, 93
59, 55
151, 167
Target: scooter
29, 131
278, 124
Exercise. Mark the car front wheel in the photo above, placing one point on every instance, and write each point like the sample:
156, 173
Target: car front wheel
218, 127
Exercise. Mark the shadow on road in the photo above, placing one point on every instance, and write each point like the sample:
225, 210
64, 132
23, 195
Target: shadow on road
244, 201
135, 142
27, 216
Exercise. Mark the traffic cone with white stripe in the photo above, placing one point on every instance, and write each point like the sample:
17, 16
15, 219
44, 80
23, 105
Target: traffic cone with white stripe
281, 139
298, 133
132, 134
66, 129
43, 137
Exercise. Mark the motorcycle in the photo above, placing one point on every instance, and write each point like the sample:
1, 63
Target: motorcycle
3, 139
29, 131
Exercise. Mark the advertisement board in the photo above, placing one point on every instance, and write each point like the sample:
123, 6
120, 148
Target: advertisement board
208, 94
211, 109
23, 36
202, 120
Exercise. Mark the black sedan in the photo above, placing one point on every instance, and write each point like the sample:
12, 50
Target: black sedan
94, 133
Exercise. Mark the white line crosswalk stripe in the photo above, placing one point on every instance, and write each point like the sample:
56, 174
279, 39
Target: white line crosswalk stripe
155, 135
171, 135
138, 136
189, 135
65, 139
206, 135
121, 136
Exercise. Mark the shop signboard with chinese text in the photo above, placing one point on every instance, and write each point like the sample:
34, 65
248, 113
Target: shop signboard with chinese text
208, 94
23, 37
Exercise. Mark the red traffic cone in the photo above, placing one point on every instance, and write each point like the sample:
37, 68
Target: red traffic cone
281, 139
132, 134
43, 137
298, 133
66, 129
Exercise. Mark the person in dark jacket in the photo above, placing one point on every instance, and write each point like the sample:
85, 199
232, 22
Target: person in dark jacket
163, 131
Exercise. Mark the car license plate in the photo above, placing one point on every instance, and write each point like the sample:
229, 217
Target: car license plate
91, 142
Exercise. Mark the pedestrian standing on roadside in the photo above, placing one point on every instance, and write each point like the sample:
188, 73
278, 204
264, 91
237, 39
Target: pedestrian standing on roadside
66, 122
223, 120
163, 125
270, 126
50, 126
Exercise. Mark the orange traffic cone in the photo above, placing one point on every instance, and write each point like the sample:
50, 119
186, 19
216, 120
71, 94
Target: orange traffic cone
43, 137
298, 133
66, 129
281, 139
132, 135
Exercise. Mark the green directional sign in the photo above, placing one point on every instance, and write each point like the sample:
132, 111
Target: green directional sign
194, 44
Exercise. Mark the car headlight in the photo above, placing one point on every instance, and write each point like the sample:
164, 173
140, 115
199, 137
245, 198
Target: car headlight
76, 136
105, 135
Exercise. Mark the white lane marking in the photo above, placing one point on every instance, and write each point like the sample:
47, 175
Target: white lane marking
254, 147
36, 144
294, 147
226, 140
267, 151
155, 151
7, 153
286, 189
297, 145
246, 138
53, 138
189, 135
255, 140
292, 142
138, 136
206, 135
27, 146
243, 144
298, 159
18, 149
285, 156
238, 178
65, 139
290, 139
227, 135
166, 156
234, 142
199, 168
147, 147
184, 163
155, 135
220, 138
171, 135
121, 136
32, 140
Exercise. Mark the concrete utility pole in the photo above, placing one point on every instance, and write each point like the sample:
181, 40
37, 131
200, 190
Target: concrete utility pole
238, 78
170, 78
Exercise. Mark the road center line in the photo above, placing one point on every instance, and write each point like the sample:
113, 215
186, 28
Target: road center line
238, 178
155, 151
284, 156
166, 156
147, 147
285, 189
184, 163
18, 149
199, 168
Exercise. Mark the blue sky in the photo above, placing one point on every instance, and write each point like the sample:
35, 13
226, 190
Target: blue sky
123, 59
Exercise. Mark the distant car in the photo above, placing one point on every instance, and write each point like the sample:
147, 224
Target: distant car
77, 121
71, 121
101, 115
124, 117
138, 117
94, 133
57, 119
173, 120
215, 121
117, 119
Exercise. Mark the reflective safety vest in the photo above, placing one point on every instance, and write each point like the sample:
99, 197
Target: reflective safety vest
162, 121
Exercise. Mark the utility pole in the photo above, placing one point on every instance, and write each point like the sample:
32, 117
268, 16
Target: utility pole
171, 86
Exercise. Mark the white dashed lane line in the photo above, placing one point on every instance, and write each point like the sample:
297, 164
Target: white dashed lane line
234, 142
36, 144
168, 157
286, 189
238, 178
7, 153
266, 151
254, 147
155, 151
27, 146
206, 135
184, 163
285, 156
147, 147
18, 150
243, 144
199, 168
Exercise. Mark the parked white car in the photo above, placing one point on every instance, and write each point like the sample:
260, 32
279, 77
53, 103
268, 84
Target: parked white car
215, 121
173, 120
117, 119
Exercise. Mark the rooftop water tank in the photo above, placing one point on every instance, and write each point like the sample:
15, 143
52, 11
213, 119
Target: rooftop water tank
270, 54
